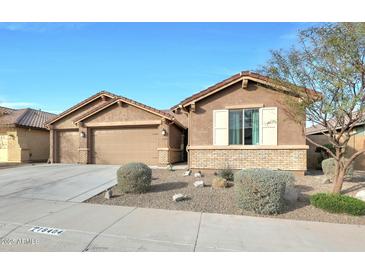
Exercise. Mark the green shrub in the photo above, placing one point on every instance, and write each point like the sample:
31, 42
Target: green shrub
134, 178
337, 203
262, 190
226, 173
329, 168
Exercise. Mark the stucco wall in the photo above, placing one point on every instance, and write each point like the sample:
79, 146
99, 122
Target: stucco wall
67, 122
181, 117
27, 144
176, 137
118, 115
201, 121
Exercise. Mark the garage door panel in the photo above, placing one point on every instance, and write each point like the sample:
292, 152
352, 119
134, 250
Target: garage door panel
68, 147
123, 145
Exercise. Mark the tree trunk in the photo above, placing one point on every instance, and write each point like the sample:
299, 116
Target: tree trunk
338, 182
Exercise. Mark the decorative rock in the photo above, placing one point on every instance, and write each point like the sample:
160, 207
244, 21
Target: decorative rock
219, 182
187, 173
326, 181
178, 197
170, 167
198, 174
108, 194
199, 184
291, 194
360, 195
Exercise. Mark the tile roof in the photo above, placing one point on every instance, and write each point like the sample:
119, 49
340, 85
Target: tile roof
100, 106
4, 110
228, 81
321, 129
24, 117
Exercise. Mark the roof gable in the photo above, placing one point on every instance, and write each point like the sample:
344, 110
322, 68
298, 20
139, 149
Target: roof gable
120, 99
243, 76
81, 104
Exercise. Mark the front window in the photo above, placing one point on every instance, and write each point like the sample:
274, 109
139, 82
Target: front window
244, 128
235, 127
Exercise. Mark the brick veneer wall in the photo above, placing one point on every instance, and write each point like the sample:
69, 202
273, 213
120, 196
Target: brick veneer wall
84, 155
163, 157
169, 156
284, 159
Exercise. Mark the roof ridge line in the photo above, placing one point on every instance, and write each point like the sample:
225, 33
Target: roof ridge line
18, 119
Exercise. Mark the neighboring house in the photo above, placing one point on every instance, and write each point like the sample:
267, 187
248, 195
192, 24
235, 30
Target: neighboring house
23, 135
242, 122
356, 143
110, 129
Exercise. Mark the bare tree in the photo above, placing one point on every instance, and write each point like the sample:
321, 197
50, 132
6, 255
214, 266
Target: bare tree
328, 59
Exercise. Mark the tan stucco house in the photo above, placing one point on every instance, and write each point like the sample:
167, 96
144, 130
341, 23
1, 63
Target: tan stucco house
242, 122
111, 129
23, 135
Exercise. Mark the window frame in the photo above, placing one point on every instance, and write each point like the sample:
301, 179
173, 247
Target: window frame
243, 126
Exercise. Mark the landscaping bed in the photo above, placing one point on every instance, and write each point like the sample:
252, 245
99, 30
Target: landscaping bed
166, 183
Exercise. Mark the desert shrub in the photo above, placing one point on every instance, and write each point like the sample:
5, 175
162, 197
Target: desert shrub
262, 190
226, 173
337, 203
329, 168
134, 178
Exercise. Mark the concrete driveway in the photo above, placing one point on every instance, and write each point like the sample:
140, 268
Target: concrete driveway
57, 182
36, 201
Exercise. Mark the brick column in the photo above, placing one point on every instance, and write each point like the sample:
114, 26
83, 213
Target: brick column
84, 144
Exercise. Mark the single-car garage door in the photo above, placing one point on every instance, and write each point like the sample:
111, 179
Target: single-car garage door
68, 146
124, 145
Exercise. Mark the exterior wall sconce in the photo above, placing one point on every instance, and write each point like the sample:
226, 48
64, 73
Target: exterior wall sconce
164, 132
82, 134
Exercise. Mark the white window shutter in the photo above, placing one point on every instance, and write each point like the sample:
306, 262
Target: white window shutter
220, 127
269, 125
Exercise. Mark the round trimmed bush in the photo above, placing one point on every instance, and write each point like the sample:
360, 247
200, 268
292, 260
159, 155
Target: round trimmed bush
337, 203
262, 190
134, 178
329, 168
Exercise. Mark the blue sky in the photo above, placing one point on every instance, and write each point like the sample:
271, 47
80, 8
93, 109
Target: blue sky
52, 66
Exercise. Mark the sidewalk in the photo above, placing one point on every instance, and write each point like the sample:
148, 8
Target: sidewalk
88, 227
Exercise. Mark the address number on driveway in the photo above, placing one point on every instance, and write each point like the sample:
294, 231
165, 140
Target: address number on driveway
47, 230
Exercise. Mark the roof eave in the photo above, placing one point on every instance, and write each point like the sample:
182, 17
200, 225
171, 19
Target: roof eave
80, 119
72, 109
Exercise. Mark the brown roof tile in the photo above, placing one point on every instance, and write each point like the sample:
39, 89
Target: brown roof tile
25, 117
321, 129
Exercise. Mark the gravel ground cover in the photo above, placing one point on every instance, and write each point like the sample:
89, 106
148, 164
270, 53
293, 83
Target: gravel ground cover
167, 183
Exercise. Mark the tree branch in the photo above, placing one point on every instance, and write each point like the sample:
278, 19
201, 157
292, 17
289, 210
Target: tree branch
323, 147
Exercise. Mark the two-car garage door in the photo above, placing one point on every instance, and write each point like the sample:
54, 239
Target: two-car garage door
123, 145
111, 145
